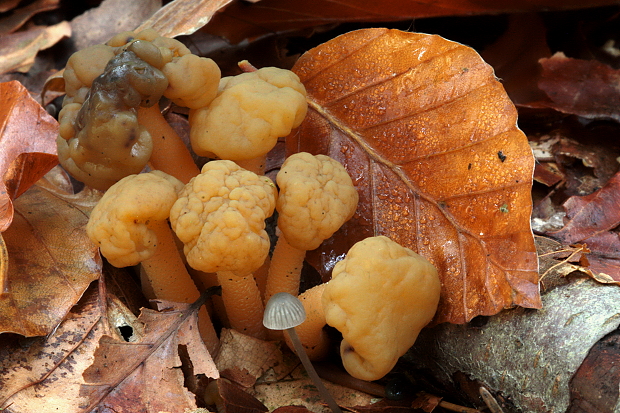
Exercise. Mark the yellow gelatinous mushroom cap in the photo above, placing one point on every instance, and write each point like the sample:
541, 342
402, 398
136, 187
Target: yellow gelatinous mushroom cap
380, 297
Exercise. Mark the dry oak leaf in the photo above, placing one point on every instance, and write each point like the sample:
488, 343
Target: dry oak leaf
429, 137
27, 145
44, 374
146, 374
51, 259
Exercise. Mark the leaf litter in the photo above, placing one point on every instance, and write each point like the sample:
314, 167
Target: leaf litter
580, 257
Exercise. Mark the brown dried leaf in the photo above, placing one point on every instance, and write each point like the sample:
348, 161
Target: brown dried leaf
53, 87
27, 145
242, 20
6, 5
515, 56
603, 260
298, 390
183, 17
51, 259
144, 374
236, 400
430, 139
18, 50
586, 88
44, 373
292, 409
426, 402
592, 214
20, 16
244, 359
99, 24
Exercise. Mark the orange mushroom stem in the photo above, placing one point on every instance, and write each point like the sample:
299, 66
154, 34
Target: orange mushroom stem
310, 332
130, 225
316, 197
170, 155
380, 297
220, 218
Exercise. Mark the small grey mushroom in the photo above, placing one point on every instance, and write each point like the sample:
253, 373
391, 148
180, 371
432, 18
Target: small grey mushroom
284, 311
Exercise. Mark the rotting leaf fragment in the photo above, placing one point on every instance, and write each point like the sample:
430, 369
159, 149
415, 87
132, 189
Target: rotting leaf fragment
421, 139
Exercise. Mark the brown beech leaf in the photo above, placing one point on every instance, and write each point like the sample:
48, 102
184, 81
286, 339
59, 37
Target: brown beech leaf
242, 20
292, 409
586, 88
592, 214
20, 16
603, 260
18, 50
27, 145
297, 389
145, 373
51, 259
429, 137
99, 24
183, 17
42, 374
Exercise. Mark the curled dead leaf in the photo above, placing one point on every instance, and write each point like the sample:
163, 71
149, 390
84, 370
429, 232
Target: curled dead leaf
18, 50
20, 16
592, 214
429, 137
44, 373
27, 145
51, 259
183, 17
586, 88
146, 373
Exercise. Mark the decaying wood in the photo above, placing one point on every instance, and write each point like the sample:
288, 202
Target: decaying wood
529, 356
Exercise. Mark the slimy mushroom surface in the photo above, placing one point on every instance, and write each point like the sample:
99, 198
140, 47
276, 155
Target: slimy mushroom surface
251, 111
220, 218
380, 296
316, 197
100, 140
130, 225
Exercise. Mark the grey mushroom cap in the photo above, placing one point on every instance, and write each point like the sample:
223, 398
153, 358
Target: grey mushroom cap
283, 311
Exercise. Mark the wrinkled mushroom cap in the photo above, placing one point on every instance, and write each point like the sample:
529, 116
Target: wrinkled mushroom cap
119, 223
316, 197
251, 111
283, 311
220, 218
193, 81
380, 297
